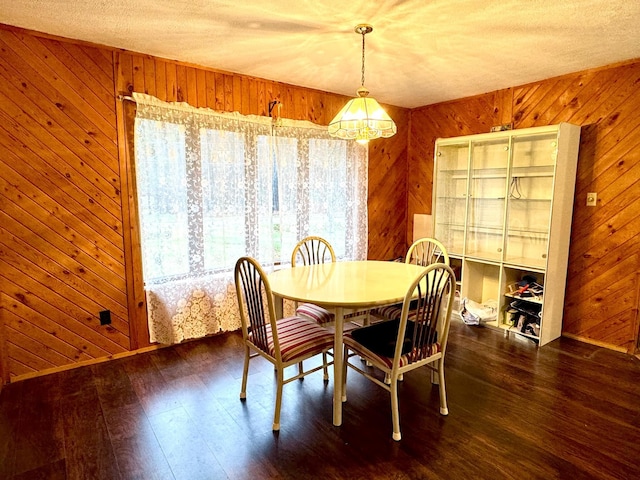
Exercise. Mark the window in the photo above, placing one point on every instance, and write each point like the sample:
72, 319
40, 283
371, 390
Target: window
213, 187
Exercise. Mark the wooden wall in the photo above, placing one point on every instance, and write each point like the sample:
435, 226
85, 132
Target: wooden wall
61, 249
602, 289
68, 227
388, 192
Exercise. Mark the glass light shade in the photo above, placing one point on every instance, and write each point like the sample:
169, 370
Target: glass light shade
362, 119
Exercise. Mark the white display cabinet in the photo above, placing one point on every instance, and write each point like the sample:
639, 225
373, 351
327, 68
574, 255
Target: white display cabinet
502, 206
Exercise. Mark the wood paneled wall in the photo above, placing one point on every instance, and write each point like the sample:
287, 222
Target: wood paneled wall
602, 289
61, 248
388, 192
68, 230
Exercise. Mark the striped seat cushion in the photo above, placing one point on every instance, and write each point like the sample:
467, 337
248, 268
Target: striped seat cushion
390, 312
382, 360
318, 314
394, 312
299, 338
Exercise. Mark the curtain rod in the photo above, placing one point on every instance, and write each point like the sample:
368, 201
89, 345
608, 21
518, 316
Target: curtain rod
126, 98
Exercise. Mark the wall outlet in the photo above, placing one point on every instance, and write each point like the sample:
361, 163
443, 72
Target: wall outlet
105, 317
592, 199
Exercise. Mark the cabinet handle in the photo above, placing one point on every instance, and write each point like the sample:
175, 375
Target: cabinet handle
544, 255
439, 154
506, 148
500, 250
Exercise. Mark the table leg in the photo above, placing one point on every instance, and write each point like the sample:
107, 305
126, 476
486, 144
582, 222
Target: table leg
337, 367
278, 305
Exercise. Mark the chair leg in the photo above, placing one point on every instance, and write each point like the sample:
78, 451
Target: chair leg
276, 415
245, 372
395, 411
366, 322
325, 369
387, 378
344, 373
300, 369
366, 362
444, 410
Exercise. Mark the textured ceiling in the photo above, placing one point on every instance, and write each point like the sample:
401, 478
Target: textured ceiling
420, 52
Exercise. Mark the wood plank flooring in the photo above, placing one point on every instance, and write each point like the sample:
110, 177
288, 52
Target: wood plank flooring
568, 410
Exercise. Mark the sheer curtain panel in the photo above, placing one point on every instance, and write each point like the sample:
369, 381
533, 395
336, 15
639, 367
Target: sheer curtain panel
213, 187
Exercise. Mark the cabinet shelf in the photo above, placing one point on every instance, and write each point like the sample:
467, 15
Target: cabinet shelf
510, 329
536, 300
485, 257
458, 176
525, 231
518, 200
489, 177
518, 265
457, 226
518, 332
531, 175
529, 263
494, 229
472, 197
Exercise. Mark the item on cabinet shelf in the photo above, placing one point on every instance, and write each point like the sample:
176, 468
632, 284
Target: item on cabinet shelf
514, 189
502, 128
525, 307
472, 313
525, 317
528, 287
525, 324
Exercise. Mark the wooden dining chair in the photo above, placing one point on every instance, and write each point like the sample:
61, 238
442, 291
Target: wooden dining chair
426, 251
283, 342
418, 338
423, 251
313, 251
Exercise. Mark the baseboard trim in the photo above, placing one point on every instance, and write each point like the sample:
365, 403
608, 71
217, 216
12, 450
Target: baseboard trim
597, 343
85, 363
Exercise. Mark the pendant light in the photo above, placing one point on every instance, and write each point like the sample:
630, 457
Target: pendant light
362, 118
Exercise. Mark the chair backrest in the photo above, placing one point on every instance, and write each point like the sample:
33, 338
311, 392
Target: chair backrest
312, 251
426, 251
255, 301
431, 295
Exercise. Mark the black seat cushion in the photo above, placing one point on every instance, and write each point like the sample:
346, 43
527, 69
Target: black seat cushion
381, 337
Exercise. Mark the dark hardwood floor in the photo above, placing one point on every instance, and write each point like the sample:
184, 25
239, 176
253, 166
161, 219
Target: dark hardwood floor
567, 410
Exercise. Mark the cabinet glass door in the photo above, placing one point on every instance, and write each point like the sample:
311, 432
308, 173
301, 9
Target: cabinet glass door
450, 195
487, 194
529, 199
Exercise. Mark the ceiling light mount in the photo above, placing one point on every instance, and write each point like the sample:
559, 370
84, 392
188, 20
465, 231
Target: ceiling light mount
363, 28
362, 118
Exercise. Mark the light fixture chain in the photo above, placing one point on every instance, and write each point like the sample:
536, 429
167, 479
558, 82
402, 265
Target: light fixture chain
363, 34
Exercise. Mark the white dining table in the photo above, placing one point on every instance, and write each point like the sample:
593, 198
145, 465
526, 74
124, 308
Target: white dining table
340, 286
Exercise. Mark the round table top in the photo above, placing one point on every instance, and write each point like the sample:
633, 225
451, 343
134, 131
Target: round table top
346, 284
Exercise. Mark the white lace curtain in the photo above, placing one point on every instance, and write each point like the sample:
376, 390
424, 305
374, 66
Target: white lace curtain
214, 186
